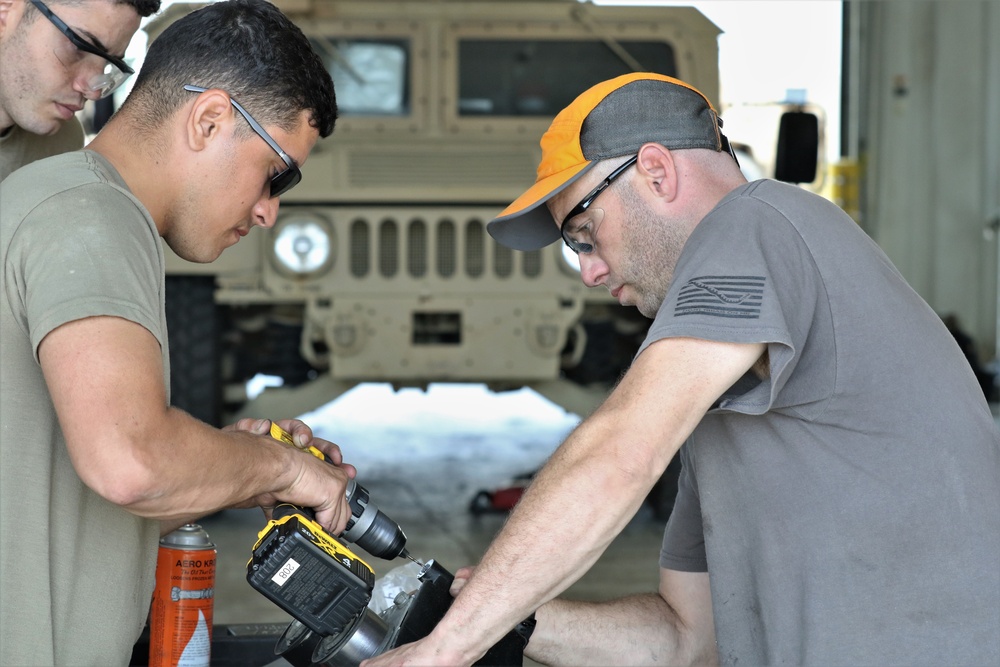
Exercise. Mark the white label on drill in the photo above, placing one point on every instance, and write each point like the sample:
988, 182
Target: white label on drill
286, 571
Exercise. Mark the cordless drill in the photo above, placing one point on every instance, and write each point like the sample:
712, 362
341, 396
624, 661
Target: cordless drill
310, 573
326, 588
368, 526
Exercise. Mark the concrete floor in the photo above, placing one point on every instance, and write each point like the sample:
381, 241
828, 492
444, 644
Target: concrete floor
424, 477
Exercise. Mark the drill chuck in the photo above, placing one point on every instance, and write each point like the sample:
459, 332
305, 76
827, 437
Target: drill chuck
370, 528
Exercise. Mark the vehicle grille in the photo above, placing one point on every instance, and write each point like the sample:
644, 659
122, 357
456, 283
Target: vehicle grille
393, 248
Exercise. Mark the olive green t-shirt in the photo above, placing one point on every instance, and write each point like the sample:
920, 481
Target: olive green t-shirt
18, 148
76, 571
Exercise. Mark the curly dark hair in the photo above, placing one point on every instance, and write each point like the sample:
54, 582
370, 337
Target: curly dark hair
247, 48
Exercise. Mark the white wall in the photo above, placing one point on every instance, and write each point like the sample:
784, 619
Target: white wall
929, 142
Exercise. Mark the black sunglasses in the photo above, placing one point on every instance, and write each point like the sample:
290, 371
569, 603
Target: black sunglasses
281, 182
115, 72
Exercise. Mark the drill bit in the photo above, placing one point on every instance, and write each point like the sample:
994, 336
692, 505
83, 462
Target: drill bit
406, 554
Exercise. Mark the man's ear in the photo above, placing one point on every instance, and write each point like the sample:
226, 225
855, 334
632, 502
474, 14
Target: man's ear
11, 12
656, 164
210, 117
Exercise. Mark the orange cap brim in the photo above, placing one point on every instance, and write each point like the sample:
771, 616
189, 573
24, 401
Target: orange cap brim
527, 223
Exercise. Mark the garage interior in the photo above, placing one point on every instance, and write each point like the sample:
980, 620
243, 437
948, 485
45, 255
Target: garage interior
920, 125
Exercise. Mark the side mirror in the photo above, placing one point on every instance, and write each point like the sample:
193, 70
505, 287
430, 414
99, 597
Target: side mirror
798, 147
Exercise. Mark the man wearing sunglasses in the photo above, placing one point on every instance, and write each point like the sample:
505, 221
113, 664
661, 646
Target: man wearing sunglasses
94, 463
839, 500
54, 56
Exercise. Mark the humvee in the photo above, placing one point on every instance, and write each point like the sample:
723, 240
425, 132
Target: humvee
379, 267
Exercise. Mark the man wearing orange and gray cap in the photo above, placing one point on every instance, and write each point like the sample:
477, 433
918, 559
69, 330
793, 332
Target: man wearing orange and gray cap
840, 495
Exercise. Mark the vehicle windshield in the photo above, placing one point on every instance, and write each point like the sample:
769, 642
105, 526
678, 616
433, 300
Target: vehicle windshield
497, 77
370, 77
539, 78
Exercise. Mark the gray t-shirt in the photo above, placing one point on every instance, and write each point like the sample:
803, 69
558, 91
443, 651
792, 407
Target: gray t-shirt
847, 508
76, 571
18, 148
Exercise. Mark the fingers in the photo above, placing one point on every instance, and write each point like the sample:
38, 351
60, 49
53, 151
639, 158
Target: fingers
317, 485
251, 425
334, 514
462, 576
300, 432
303, 437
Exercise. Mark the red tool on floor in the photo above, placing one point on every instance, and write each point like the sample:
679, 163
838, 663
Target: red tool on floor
501, 499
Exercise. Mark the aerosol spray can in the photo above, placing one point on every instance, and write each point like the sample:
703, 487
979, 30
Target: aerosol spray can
180, 624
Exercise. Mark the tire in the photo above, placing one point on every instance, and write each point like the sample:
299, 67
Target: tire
193, 329
611, 345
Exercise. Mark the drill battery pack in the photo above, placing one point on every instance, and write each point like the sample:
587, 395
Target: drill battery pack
308, 573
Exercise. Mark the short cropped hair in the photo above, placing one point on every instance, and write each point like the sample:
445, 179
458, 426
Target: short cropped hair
247, 48
142, 7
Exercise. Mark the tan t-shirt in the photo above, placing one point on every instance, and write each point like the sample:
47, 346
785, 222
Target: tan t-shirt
18, 148
76, 571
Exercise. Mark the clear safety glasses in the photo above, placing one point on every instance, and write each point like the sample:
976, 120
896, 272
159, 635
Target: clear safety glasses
116, 71
580, 238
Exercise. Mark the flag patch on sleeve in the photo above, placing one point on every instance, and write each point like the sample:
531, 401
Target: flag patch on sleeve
722, 296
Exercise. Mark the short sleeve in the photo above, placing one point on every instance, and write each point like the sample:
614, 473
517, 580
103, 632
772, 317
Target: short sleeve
746, 276
88, 251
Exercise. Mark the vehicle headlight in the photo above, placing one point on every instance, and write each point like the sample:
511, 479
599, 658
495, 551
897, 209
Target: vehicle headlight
303, 245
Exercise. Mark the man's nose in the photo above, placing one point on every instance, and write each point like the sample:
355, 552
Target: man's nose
593, 270
265, 211
89, 70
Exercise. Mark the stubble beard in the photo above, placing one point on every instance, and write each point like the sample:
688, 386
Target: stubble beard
651, 247
185, 236
16, 88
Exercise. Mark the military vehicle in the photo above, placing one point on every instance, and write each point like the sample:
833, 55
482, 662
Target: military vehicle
379, 268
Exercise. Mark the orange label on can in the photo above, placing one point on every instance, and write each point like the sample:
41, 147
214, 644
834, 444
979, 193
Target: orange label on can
181, 617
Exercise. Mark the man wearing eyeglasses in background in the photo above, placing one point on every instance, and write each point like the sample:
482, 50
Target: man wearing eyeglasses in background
94, 463
53, 57
839, 501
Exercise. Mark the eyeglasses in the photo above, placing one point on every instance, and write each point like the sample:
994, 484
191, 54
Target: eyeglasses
115, 71
581, 239
283, 181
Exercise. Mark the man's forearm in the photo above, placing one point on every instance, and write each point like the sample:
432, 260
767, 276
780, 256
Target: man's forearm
584, 495
190, 468
636, 630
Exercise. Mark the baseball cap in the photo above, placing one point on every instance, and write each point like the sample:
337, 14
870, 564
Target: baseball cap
612, 119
